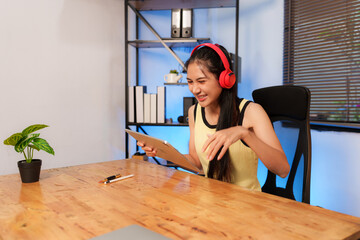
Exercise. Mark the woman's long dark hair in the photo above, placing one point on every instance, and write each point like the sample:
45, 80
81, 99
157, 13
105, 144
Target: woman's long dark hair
228, 101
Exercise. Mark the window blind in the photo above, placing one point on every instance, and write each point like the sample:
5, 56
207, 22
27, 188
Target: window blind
322, 52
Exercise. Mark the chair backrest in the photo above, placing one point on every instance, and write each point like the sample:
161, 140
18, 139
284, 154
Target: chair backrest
288, 108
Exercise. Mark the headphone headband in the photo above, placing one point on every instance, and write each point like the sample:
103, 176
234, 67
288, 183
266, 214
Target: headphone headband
216, 48
227, 78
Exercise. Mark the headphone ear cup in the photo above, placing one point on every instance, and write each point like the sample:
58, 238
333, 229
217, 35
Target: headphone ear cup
222, 79
227, 79
231, 79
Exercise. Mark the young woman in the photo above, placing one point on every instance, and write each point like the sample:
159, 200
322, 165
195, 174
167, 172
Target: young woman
227, 134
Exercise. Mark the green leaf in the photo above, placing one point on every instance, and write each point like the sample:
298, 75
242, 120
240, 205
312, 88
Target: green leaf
33, 128
25, 141
13, 139
42, 144
34, 147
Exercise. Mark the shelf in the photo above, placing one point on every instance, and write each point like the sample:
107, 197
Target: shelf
170, 42
176, 84
165, 5
174, 124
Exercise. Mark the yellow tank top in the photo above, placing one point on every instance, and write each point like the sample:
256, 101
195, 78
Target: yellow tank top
243, 159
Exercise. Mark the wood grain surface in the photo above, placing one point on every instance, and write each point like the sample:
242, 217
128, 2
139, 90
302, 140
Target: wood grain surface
69, 203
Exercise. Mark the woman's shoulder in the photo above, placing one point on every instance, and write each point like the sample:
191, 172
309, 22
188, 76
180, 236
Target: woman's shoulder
245, 105
191, 112
192, 115
191, 109
254, 113
248, 104
254, 108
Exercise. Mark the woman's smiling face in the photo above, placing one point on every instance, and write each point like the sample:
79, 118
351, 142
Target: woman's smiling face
204, 85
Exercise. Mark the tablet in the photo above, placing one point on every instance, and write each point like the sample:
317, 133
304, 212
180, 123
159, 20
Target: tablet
133, 232
165, 150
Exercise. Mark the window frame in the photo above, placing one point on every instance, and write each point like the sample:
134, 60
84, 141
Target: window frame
289, 69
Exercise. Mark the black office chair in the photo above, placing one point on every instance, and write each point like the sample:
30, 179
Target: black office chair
288, 108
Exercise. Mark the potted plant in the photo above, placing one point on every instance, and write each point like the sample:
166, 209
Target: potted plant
174, 71
172, 77
26, 142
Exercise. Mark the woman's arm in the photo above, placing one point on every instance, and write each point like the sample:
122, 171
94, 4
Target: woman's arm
192, 156
263, 141
259, 135
148, 150
192, 151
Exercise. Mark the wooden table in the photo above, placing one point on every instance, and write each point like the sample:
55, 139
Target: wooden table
69, 203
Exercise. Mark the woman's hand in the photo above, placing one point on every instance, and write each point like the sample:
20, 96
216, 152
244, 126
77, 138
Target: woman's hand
222, 140
150, 152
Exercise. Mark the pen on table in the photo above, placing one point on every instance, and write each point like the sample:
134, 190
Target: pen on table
110, 178
118, 179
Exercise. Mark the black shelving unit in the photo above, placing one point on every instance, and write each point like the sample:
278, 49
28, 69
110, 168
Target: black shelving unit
168, 43
176, 84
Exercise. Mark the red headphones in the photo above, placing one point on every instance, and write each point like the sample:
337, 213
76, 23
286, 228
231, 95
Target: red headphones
227, 78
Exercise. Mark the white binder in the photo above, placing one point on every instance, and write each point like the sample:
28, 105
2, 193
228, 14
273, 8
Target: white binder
153, 108
147, 106
131, 104
139, 101
186, 23
160, 104
175, 23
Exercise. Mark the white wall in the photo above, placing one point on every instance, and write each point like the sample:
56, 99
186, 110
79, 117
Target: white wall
61, 64
335, 177
261, 44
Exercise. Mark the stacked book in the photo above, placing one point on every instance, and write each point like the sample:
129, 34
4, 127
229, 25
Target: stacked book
146, 107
